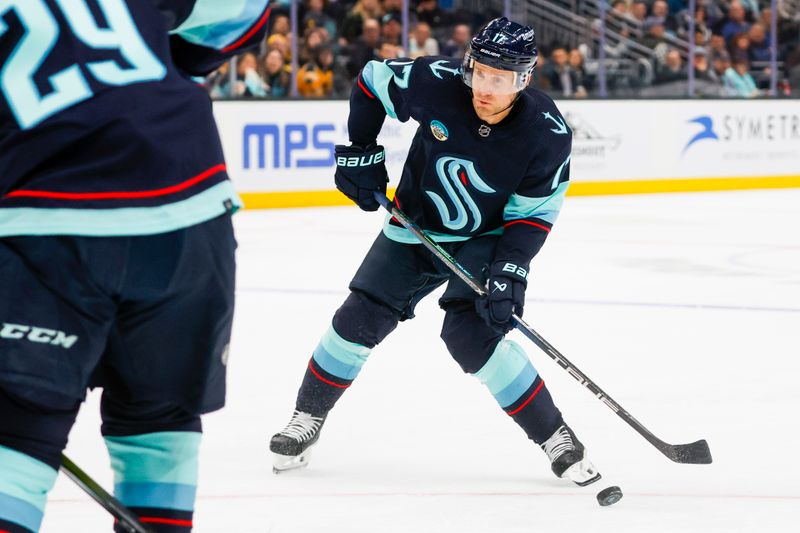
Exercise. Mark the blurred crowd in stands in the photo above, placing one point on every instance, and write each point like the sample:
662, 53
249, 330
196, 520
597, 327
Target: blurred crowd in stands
338, 37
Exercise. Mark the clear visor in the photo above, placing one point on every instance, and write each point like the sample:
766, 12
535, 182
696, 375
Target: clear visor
483, 79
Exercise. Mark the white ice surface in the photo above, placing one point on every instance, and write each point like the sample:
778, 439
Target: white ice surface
684, 308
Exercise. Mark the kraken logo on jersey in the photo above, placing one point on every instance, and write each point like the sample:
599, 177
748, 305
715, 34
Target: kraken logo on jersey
455, 173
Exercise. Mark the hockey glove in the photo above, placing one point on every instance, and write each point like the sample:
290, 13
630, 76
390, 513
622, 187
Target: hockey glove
360, 171
506, 288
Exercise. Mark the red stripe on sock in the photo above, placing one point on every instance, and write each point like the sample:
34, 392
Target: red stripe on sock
526, 402
327, 381
250, 33
120, 195
540, 226
168, 521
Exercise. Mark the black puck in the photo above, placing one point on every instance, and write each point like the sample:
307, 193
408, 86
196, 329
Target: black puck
609, 496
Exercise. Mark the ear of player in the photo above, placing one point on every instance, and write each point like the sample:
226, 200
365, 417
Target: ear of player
360, 172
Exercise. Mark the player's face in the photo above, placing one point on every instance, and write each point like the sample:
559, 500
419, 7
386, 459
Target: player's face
493, 90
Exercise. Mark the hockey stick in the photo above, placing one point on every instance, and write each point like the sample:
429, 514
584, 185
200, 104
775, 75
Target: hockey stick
693, 453
125, 517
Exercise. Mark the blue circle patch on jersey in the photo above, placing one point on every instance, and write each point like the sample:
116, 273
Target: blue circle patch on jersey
439, 130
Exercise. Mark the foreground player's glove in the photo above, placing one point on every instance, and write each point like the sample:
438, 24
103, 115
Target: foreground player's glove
360, 171
506, 288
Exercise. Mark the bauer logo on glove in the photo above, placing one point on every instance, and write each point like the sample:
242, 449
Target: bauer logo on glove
362, 161
360, 172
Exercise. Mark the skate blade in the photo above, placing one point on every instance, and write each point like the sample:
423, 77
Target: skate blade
582, 473
285, 463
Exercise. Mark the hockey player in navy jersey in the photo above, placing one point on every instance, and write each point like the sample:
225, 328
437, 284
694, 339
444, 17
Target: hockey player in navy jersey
485, 176
116, 245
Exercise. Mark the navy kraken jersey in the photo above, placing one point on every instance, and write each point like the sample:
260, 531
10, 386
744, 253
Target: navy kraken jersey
463, 177
102, 130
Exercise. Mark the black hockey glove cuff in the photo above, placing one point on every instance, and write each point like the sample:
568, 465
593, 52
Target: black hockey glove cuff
506, 295
360, 171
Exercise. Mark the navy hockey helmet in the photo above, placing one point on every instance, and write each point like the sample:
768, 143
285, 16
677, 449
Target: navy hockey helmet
504, 45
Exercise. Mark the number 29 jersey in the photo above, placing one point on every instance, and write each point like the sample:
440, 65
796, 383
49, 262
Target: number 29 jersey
103, 131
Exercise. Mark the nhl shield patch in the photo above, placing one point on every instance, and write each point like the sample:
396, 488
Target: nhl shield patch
439, 130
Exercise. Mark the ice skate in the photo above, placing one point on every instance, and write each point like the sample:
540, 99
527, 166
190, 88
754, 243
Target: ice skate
568, 457
291, 447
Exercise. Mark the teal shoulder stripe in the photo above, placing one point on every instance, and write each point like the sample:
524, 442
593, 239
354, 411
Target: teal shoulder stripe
25, 478
377, 75
123, 221
546, 208
163, 457
402, 235
217, 24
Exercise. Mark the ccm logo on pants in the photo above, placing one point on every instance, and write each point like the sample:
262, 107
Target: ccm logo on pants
39, 335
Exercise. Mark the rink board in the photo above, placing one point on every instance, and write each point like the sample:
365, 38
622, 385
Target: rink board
281, 154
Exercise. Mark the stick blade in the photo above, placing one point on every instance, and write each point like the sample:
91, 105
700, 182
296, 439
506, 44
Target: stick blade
696, 453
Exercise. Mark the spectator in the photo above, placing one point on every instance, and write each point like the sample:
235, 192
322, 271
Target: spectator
315, 78
282, 43
717, 46
353, 24
392, 29
759, 43
672, 69
702, 67
430, 12
216, 82
701, 26
456, 46
751, 9
560, 76
421, 42
280, 25
315, 38
654, 39
720, 64
617, 20
247, 83
365, 47
734, 23
638, 12
739, 46
388, 51
576, 62
275, 73
315, 18
660, 15
738, 80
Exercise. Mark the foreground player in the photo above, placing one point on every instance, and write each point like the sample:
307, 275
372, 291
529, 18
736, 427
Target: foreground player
485, 176
116, 246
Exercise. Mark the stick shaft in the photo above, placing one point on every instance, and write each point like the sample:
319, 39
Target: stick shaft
124, 515
696, 453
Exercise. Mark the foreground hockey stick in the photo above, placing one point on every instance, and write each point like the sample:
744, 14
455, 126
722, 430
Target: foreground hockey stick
128, 520
693, 453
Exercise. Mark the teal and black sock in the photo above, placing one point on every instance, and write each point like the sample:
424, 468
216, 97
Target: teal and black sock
24, 484
520, 391
155, 475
